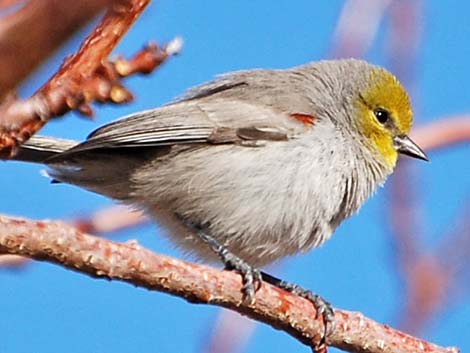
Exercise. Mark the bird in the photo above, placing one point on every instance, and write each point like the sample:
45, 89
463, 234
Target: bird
251, 167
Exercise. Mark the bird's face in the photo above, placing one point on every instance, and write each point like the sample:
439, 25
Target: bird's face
385, 117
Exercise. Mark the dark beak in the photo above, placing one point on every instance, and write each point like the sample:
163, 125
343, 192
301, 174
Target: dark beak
404, 145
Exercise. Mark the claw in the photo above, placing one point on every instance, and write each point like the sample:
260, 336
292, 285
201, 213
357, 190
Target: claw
258, 279
323, 308
251, 276
252, 280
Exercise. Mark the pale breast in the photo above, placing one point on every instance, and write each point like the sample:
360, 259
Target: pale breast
262, 203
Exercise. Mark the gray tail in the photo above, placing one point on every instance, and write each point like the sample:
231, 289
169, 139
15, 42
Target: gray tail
102, 170
39, 148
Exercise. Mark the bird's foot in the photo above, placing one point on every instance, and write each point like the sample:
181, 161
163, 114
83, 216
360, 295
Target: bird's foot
251, 276
324, 308
252, 279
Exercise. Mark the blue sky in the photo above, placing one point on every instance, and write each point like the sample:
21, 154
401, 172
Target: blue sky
48, 309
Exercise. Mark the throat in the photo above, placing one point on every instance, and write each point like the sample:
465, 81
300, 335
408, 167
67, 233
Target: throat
385, 152
367, 174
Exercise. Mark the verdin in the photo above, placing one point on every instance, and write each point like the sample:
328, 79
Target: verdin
252, 167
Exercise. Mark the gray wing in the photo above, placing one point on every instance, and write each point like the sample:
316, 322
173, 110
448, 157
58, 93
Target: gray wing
207, 119
216, 113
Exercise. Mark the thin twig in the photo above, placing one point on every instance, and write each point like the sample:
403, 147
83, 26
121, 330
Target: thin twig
84, 77
102, 222
110, 219
230, 333
443, 133
23, 49
357, 27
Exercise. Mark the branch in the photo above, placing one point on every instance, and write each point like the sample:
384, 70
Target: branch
23, 49
230, 333
84, 77
14, 262
357, 27
62, 244
444, 132
102, 222
109, 219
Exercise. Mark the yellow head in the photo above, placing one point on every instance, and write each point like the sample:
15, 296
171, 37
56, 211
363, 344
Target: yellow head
385, 117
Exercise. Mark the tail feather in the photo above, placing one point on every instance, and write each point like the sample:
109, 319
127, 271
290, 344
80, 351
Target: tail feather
104, 171
39, 148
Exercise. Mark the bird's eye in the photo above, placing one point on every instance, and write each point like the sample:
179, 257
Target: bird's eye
382, 115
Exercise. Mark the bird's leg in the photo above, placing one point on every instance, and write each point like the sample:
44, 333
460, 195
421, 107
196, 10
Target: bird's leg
251, 275
323, 307
252, 278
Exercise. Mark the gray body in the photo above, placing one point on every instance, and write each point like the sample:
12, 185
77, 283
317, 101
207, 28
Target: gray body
228, 159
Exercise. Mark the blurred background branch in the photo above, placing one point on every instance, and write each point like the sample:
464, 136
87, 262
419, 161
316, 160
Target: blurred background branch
32, 30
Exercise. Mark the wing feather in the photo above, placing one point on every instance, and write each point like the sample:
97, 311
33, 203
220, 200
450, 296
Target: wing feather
197, 121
